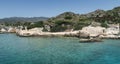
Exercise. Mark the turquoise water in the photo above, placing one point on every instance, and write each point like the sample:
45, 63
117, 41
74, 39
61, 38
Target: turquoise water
37, 50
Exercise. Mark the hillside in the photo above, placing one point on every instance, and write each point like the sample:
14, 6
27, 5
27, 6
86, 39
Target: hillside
69, 20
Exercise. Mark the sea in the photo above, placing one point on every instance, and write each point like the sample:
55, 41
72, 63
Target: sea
57, 50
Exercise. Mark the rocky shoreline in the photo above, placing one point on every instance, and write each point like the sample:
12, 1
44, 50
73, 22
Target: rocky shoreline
86, 32
77, 34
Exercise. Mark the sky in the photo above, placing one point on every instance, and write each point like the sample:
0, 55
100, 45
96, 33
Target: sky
50, 8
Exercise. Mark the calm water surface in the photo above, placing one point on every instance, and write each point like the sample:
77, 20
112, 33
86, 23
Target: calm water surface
37, 50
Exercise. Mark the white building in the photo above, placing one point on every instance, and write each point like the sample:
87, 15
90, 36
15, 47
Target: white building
113, 29
93, 31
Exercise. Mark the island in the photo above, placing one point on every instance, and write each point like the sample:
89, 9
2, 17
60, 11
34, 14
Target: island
96, 24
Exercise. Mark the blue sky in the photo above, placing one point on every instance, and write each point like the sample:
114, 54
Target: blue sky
49, 8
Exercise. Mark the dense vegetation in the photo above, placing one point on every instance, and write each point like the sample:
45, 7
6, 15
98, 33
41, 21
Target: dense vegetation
69, 20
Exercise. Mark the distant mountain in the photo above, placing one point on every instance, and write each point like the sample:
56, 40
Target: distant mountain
22, 19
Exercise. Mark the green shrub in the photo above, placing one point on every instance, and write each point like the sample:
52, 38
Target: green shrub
68, 18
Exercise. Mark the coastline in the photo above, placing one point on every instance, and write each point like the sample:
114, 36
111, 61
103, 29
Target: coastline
85, 32
48, 34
